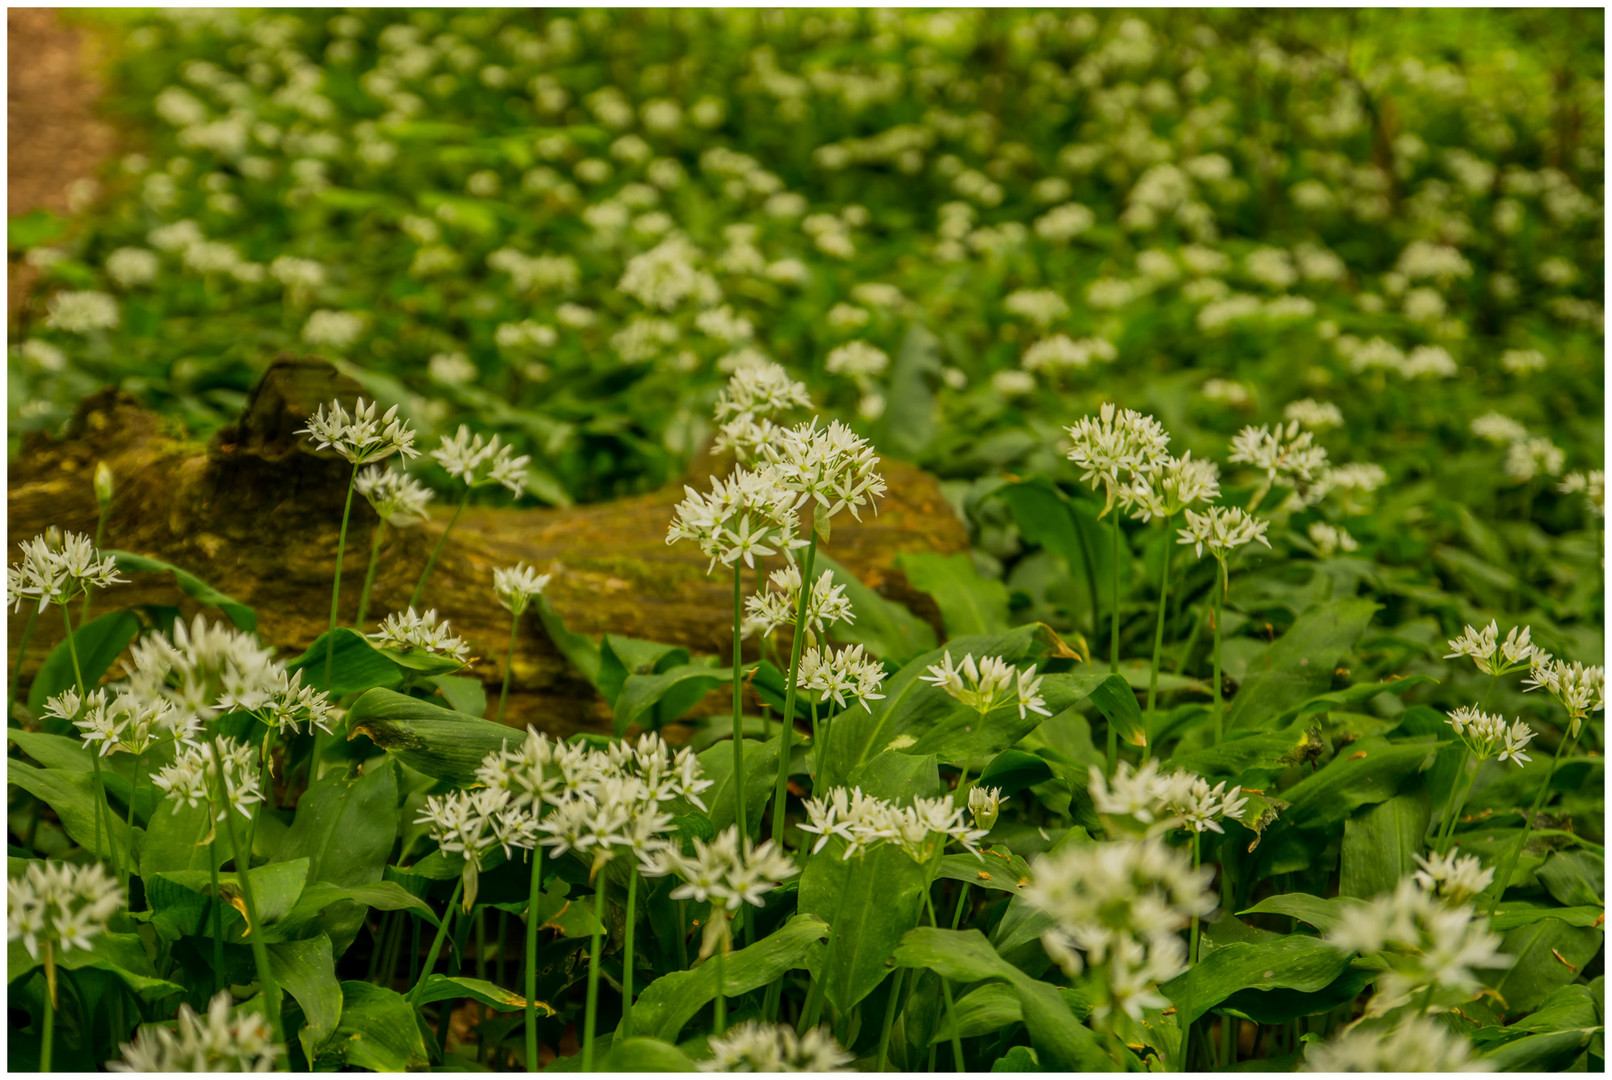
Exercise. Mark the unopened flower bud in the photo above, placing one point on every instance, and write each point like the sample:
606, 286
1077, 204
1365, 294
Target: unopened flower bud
53, 538
103, 484
985, 804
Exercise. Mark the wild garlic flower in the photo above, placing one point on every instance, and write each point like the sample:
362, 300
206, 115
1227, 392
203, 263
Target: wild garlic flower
190, 778
1313, 414
398, 498
1490, 736
760, 391
203, 668
59, 904
282, 702
1331, 539
1581, 690
767, 611
664, 772
755, 1047
1497, 428
479, 461
59, 570
220, 1043
750, 513
361, 438
727, 871
471, 823
985, 804
412, 630
831, 467
1288, 453
864, 822
1152, 796
1453, 878
82, 312
127, 722
988, 685
1527, 458
834, 676
744, 436
1592, 484
857, 359
1414, 1044
1492, 656
1431, 944
517, 585
1120, 907
1113, 445
528, 772
1165, 488
1222, 529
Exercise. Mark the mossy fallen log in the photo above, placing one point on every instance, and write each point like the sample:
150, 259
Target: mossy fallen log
255, 512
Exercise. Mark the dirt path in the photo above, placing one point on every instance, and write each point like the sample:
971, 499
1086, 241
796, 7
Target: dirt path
53, 134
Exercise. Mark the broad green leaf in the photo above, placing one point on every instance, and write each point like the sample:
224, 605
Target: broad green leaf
583, 653
1552, 1037
307, 971
621, 656
888, 630
175, 838
181, 898
320, 897
443, 988
1368, 771
1319, 913
969, 603
1070, 530
670, 693
72, 796
58, 752
377, 1032
345, 826
1295, 962
465, 693
909, 421
1299, 664
1014, 770
672, 1000
1514, 913
640, 1055
1239, 755
1549, 953
24, 231
1018, 1059
436, 741
194, 587
898, 776
985, 1010
1000, 869
1575, 878
99, 643
869, 901
956, 734
1281, 1005
760, 777
1380, 844
121, 955
356, 666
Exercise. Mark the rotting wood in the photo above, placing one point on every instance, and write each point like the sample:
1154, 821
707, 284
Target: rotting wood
256, 513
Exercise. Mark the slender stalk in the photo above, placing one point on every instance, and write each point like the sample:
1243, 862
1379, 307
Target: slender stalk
1510, 864
1113, 616
1197, 841
721, 988
335, 587
626, 968
817, 748
532, 928
889, 1018
215, 914
1220, 618
591, 1016
369, 574
48, 1031
962, 889
134, 788
430, 564
100, 530
266, 783
260, 952
436, 943
22, 651
509, 666
1158, 649
738, 705
946, 992
781, 792
102, 810
813, 1009
1458, 797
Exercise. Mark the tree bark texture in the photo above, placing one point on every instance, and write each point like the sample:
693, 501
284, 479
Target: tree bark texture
256, 512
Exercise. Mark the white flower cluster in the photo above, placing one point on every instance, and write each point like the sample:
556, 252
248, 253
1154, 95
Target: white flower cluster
1120, 907
766, 611
1490, 736
471, 823
857, 359
836, 675
1163, 488
755, 1047
1114, 445
1331, 539
361, 437
1495, 657
61, 904
1313, 414
220, 1043
985, 804
1222, 529
988, 685
58, 570
1592, 484
127, 722
832, 467
1286, 453
1432, 943
517, 585
865, 821
1414, 1044
1165, 800
416, 630
666, 276
191, 777
749, 513
203, 668
82, 312
1452, 877
479, 461
394, 495
728, 872
1060, 353
1579, 688
756, 393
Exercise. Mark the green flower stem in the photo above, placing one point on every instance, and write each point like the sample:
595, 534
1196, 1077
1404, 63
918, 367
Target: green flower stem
1220, 618
592, 1015
782, 790
369, 574
817, 749
721, 987
946, 992
509, 666
243, 864
962, 890
889, 1018
813, 1009
1446, 831
100, 530
134, 789
430, 564
1113, 616
627, 944
22, 651
436, 943
101, 809
1192, 953
532, 929
48, 1030
738, 704
215, 914
1528, 826
266, 782
335, 587
1158, 646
